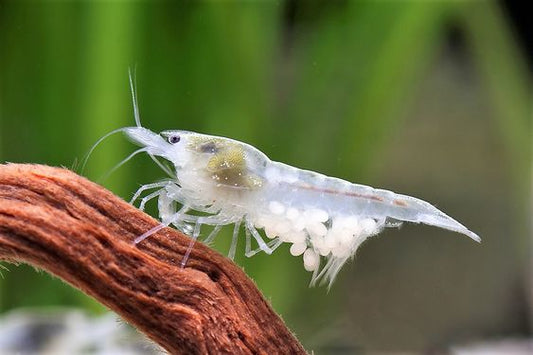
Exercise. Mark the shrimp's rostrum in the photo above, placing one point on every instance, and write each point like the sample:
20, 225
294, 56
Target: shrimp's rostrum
324, 219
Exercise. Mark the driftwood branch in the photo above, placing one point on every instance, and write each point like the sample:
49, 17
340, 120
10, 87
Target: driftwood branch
77, 230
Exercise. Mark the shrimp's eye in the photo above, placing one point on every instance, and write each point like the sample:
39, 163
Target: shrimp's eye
173, 139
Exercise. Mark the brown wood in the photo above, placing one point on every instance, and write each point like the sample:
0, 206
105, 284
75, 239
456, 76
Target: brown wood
65, 224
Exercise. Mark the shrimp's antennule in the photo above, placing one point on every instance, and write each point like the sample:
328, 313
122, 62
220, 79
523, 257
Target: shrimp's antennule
133, 89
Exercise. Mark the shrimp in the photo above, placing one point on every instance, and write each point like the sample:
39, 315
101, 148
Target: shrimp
217, 181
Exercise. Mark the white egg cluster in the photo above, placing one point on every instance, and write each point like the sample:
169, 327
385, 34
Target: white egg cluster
315, 233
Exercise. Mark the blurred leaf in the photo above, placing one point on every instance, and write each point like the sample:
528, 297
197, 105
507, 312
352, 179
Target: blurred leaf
506, 79
106, 104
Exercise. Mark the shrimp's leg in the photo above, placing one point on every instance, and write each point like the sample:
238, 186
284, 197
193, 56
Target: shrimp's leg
167, 207
177, 219
167, 217
186, 220
155, 229
195, 234
148, 197
149, 233
262, 245
273, 245
158, 227
212, 220
248, 248
147, 187
167, 212
175, 192
233, 246
200, 220
213, 234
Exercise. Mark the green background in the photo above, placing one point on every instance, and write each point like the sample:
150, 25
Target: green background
430, 99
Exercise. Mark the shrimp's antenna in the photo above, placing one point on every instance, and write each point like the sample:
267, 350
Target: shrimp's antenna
133, 89
106, 175
96, 144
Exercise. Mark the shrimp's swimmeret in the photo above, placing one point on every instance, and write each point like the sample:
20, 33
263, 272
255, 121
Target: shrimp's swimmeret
324, 219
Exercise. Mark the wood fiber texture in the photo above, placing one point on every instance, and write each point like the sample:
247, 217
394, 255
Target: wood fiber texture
63, 223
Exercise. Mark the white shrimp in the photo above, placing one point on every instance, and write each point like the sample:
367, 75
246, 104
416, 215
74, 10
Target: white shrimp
324, 219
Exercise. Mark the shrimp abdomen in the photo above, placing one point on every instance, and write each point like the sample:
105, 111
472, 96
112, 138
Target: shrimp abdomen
307, 189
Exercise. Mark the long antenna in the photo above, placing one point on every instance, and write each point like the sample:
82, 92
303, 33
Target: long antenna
84, 161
